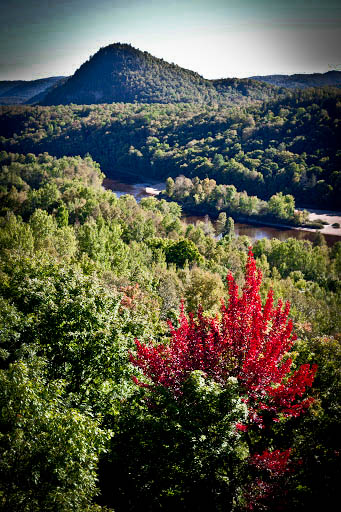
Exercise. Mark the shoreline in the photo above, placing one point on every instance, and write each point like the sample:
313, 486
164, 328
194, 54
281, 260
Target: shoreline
154, 188
313, 217
329, 216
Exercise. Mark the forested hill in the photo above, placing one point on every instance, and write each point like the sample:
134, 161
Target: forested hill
303, 81
289, 145
26, 91
121, 73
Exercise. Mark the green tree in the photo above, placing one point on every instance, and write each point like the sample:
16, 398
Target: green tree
49, 451
282, 206
62, 216
178, 454
170, 187
203, 288
182, 251
230, 227
221, 223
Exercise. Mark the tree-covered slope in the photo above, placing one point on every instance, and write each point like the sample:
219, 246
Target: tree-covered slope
24, 91
303, 81
121, 73
288, 145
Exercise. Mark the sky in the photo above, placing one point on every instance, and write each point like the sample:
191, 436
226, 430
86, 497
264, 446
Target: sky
216, 38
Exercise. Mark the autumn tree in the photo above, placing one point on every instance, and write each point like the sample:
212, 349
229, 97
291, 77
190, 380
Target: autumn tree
247, 348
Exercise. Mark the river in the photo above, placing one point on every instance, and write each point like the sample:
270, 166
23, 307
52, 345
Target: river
254, 232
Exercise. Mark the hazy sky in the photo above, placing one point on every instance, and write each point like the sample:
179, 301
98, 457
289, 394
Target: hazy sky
216, 38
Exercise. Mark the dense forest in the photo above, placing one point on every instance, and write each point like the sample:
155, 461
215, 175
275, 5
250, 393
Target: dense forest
148, 363
288, 145
93, 420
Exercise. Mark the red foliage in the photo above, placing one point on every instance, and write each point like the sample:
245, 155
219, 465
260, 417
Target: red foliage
272, 466
250, 342
275, 463
241, 427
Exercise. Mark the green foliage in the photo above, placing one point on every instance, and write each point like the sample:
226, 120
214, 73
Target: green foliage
289, 144
169, 187
230, 227
316, 437
202, 288
182, 252
221, 223
296, 255
193, 440
281, 206
102, 242
82, 273
62, 216
75, 322
49, 451
206, 196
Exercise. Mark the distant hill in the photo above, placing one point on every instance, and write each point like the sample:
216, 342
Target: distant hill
247, 87
302, 81
41, 95
14, 92
121, 73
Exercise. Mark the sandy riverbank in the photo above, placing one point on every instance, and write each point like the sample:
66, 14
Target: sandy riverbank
329, 216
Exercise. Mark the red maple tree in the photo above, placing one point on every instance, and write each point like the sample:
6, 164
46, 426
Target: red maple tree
248, 341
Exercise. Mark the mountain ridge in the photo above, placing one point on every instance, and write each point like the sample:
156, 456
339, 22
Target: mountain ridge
122, 73
302, 80
14, 92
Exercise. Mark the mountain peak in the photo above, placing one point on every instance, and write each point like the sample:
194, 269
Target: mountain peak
121, 73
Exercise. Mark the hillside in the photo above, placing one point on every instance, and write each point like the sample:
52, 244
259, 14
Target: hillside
121, 73
288, 145
303, 81
13, 92
84, 275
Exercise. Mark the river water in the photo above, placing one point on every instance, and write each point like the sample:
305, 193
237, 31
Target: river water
254, 232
